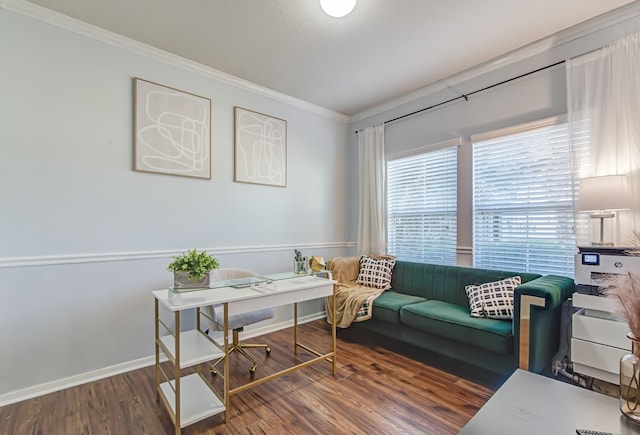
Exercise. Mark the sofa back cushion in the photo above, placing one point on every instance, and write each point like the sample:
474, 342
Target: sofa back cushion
445, 283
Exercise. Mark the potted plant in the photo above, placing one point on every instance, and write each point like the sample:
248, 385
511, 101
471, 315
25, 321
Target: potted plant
191, 270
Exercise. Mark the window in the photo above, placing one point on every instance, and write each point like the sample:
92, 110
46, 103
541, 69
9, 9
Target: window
523, 218
422, 205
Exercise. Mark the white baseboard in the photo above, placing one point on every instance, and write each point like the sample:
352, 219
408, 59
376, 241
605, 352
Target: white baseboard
72, 381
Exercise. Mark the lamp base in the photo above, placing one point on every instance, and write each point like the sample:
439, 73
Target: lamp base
602, 216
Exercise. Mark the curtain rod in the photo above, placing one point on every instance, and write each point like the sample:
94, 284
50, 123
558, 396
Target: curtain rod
466, 96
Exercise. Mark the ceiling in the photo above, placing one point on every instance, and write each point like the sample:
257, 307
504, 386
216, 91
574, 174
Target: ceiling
384, 49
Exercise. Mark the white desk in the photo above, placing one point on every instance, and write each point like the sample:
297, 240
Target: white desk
191, 398
531, 404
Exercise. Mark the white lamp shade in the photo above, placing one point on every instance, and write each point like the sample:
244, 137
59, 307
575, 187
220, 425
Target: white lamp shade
337, 8
604, 193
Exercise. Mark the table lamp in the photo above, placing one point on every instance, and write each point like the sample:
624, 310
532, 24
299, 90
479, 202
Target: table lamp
601, 196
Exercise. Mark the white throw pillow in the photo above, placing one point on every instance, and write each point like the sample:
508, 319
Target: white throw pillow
493, 299
375, 272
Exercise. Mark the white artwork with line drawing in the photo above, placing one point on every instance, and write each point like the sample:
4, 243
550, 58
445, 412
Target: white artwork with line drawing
260, 148
172, 131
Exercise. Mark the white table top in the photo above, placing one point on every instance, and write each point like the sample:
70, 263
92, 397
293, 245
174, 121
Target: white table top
532, 404
212, 296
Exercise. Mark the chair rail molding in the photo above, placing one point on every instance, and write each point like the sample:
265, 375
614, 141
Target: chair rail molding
464, 250
53, 260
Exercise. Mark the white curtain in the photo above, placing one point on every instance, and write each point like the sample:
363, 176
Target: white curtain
372, 222
603, 91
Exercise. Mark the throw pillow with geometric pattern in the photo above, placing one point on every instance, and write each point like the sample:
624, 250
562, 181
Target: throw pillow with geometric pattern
493, 300
375, 272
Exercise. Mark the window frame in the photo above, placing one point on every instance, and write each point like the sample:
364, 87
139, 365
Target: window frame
447, 256
534, 213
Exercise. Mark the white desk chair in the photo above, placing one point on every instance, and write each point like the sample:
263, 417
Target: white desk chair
239, 321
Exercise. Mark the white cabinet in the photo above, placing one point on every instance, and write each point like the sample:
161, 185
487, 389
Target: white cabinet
598, 338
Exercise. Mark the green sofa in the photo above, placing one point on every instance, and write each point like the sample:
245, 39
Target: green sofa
427, 307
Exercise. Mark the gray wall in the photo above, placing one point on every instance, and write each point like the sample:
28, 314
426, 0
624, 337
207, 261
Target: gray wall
84, 239
534, 97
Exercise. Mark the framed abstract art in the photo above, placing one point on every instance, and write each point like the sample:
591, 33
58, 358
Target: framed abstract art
260, 148
172, 131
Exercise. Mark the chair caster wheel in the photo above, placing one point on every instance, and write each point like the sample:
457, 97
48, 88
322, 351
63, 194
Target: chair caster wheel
252, 371
213, 371
267, 350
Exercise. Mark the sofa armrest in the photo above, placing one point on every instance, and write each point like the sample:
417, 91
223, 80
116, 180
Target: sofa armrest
543, 320
553, 289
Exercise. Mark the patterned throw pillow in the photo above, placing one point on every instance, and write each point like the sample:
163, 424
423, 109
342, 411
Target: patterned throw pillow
375, 272
493, 299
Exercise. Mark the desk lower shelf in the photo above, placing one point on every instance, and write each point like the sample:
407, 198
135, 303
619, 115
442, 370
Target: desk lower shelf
195, 348
197, 401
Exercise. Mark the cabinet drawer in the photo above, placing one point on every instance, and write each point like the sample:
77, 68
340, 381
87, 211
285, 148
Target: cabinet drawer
595, 355
604, 331
592, 302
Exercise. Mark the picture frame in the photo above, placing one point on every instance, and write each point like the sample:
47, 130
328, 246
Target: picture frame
260, 148
172, 131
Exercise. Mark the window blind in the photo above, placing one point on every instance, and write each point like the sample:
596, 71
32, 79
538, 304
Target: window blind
523, 218
422, 206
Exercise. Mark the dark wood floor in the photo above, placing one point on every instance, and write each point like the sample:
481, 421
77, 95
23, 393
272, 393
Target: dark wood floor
375, 391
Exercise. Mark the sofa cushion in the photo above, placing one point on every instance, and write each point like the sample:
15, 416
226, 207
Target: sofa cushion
493, 299
454, 322
376, 272
444, 283
387, 306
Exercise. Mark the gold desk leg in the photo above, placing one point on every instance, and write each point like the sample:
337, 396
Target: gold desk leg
526, 302
177, 371
226, 362
295, 328
157, 334
333, 329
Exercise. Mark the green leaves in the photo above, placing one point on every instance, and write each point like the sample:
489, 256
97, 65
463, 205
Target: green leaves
195, 263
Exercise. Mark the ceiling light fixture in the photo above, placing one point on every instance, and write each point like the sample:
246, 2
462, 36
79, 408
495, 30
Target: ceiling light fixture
337, 8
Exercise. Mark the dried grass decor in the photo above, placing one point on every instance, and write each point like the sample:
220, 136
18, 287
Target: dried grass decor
625, 290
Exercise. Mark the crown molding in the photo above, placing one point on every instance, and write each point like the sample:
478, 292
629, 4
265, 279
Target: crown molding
558, 39
65, 22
